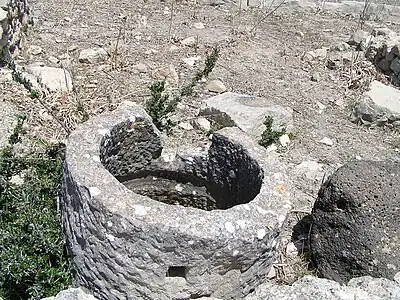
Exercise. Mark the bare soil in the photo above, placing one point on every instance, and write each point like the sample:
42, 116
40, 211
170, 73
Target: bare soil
261, 58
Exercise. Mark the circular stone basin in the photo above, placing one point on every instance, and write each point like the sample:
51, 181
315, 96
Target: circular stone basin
142, 225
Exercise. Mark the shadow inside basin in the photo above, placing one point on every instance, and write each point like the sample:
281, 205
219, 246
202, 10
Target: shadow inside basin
225, 177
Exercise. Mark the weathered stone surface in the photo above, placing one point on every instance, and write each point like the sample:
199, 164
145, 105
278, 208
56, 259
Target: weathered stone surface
247, 112
53, 79
14, 15
381, 105
313, 288
92, 55
176, 244
8, 121
72, 294
356, 222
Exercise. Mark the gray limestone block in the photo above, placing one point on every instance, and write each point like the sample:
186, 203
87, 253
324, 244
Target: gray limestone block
356, 222
209, 226
247, 113
380, 105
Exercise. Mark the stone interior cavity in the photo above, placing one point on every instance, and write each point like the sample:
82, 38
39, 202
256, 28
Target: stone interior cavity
225, 177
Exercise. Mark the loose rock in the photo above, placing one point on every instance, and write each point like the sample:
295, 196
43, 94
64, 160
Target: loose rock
93, 55
216, 86
356, 225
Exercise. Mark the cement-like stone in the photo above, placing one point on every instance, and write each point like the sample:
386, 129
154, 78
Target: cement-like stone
123, 244
247, 112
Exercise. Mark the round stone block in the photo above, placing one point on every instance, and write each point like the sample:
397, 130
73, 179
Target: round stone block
144, 225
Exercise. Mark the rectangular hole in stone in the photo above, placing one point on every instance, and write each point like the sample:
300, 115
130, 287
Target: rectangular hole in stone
176, 272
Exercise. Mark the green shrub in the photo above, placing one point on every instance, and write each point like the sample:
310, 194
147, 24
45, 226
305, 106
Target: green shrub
33, 258
160, 106
269, 136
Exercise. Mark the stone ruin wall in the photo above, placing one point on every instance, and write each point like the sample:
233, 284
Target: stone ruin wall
14, 19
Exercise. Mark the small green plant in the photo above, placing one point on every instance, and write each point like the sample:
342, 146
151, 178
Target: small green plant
17, 76
160, 106
82, 111
210, 63
269, 136
33, 258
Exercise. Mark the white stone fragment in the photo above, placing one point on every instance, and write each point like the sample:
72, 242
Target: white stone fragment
230, 227
261, 233
179, 187
103, 132
94, 191
96, 158
140, 210
327, 141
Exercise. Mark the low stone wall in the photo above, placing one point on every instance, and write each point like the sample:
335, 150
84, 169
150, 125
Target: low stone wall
14, 18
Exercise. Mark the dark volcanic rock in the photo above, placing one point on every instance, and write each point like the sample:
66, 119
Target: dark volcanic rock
356, 222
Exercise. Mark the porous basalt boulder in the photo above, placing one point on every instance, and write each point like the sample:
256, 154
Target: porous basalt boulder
356, 222
140, 226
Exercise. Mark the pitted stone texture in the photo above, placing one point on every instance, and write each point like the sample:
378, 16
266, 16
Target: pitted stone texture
313, 288
124, 244
7, 122
356, 222
247, 112
14, 15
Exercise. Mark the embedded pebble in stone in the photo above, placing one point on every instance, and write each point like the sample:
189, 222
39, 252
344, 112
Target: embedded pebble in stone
284, 140
94, 191
179, 187
103, 132
230, 227
315, 77
190, 41
140, 210
327, 141
235, 252
216, 86
96, 158
261, 233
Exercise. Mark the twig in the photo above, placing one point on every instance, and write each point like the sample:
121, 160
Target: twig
269, 13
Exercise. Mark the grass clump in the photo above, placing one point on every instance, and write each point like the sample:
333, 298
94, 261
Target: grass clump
33, 258
269, 136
